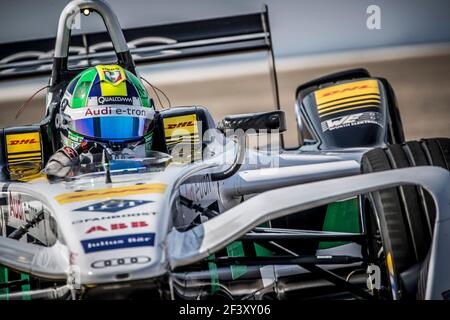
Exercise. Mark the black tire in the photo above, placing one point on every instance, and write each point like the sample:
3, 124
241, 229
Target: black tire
406, 215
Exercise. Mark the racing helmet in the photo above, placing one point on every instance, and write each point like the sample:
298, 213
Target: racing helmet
106, 104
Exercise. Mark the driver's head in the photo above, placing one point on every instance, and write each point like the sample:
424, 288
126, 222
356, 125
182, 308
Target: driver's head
106, 104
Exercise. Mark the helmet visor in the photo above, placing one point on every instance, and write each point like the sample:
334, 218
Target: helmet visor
111, 122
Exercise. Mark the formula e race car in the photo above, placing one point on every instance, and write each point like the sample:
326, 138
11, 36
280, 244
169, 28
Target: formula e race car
354, 213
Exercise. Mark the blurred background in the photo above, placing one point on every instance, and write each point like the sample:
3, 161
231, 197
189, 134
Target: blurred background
310, 38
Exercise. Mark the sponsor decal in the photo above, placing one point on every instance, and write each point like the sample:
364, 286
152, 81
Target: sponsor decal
180, 125
115, 262
116, 111
177, 126
111, 111
348, 96
111, 217
118, 242
113, 76
112, 79
336, 91
352, 120
23, 142
182, 137
24, 155
111, 192
113, 205
118, 226
345, 90
115, 100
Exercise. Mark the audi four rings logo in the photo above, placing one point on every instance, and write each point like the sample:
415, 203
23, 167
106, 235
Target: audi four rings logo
100, 264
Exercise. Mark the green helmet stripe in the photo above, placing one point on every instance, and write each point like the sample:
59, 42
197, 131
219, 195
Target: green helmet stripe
139, 89
74, 136
81, 92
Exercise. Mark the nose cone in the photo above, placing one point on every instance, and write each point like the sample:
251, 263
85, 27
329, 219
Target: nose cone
117, 240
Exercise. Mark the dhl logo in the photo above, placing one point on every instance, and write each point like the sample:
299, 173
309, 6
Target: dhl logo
346, 91
327, 94
175, 126
23, 141
180, 125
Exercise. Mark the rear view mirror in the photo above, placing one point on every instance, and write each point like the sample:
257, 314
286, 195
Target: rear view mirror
258, 121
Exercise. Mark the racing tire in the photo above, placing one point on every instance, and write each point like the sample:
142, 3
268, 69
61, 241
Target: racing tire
406, 215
